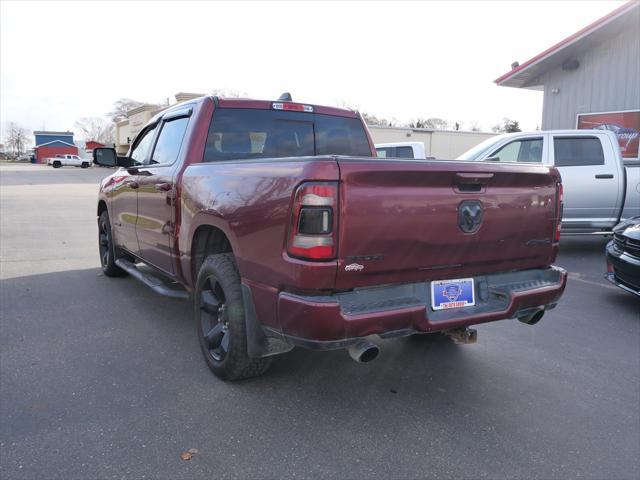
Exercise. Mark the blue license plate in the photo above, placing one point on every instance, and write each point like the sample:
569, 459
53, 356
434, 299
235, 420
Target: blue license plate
456, 293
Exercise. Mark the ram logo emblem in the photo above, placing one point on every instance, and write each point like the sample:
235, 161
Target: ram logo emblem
470, 216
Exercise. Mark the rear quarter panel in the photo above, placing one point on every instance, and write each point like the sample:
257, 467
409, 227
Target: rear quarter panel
250, 201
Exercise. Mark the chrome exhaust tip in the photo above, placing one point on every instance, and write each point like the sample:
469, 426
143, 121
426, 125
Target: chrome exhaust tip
363, 351
533, 318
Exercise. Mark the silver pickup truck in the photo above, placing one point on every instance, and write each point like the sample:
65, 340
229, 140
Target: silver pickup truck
600, 187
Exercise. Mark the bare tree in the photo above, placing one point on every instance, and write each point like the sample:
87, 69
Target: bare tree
18, 138
371, 119
418, 123
474, 126
433, 123
507, 126
224, 92
437, 123
96, 129
121, 107
512, 126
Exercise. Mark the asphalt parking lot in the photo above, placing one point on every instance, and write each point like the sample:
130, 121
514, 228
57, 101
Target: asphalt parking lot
101, 378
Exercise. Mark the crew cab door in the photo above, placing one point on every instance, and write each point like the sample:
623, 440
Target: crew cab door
591, 179
155, 224
124, 193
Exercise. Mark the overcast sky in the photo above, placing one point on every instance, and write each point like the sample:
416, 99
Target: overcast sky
391, 59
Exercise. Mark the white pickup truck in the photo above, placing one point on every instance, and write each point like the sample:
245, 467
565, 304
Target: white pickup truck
67, 160
401, 150
600, 187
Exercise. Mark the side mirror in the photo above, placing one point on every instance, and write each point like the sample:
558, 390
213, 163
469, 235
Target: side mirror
107, 157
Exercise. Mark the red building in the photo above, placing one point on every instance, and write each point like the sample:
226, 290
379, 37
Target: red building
91, 144
50, 144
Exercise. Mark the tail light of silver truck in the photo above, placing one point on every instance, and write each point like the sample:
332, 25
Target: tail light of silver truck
313, 229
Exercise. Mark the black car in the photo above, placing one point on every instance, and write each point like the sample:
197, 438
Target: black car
623, 256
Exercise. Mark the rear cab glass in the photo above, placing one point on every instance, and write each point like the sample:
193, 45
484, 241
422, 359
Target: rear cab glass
237, 134
395, 152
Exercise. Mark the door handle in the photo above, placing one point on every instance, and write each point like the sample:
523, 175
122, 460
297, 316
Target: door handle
164, 187
604, 175
133, 185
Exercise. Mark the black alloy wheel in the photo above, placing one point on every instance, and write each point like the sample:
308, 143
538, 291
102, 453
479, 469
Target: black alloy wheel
214, 321
103, 240
220, 320
106, 248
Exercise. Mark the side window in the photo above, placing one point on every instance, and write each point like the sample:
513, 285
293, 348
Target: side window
404, 152
527, 150
577, 151
140, 152
383, 152
169, 141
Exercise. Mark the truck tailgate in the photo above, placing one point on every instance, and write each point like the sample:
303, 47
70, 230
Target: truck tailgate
404, 221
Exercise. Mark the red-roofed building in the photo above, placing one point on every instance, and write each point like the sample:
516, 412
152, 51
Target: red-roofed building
91, 144
591, 79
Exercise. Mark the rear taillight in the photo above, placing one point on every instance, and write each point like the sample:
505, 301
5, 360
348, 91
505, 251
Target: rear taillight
313, 229
559, 208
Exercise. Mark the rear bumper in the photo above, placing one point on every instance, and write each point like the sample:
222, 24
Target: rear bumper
623, 269
336, 321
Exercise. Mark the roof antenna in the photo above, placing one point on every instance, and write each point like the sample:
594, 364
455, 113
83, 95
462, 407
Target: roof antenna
285, 97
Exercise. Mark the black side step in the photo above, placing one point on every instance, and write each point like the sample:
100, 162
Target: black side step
154, 283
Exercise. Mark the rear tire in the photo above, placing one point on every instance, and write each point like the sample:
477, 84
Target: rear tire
107, 248
220, 320
84, 165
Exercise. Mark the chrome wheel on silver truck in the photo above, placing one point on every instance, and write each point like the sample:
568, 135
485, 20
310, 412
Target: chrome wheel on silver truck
220, 320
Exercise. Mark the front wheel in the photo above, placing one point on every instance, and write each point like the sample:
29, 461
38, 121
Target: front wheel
57, 164
107, 248
220, 320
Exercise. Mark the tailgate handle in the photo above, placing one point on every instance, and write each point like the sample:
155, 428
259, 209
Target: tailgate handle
469, 187
471, 182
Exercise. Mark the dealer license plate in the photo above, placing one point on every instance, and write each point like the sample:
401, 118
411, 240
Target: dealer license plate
454, 293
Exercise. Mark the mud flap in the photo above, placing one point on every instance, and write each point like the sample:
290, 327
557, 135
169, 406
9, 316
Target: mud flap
258, 344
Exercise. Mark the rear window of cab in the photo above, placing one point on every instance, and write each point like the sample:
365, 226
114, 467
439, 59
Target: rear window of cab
237, 134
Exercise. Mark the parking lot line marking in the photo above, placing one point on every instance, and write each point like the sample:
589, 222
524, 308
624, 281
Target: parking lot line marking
576, 277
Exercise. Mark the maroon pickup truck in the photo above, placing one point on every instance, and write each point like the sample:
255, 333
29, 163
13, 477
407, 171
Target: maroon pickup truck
278, 223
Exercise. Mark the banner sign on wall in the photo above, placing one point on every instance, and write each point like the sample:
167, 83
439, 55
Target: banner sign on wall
626, 126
